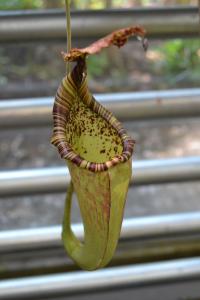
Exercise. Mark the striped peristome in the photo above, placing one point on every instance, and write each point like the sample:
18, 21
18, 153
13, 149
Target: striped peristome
69, 88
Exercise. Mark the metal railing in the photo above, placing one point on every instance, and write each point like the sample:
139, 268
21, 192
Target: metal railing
56, 179
49, 25
119, 277
143, 239
125, 106
134, 228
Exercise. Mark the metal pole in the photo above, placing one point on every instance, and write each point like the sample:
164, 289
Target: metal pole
55, 179
48, 25
54, 260
125, 106
132, 229
118, 277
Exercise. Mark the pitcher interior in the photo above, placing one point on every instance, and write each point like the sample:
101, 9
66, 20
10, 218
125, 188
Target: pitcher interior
90, 135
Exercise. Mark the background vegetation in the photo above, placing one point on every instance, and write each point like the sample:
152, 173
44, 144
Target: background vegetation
173, 63
91, 4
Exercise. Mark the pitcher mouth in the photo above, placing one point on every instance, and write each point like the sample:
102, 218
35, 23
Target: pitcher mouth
61, 114
66, 137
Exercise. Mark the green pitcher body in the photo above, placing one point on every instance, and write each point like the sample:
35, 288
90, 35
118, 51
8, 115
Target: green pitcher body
101, 198
98, 152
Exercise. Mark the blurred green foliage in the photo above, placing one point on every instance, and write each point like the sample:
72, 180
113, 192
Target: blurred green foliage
181, 55
84, 4
97, 65
20, 4
178, 60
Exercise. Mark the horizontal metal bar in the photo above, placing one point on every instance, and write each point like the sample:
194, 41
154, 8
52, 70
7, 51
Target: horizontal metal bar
119, 277
172, 290
40, 261
55, 179
135, 228
165, 22
125, 106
